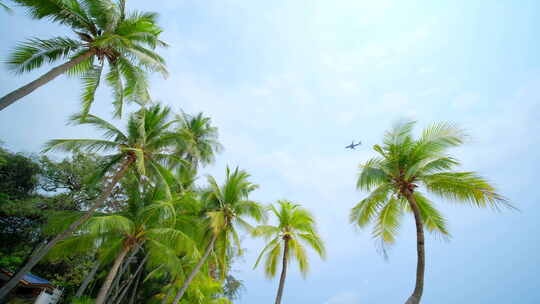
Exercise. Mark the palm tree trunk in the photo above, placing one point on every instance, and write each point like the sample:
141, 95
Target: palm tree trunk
421, 264
123, 267
102, 295
134, 277
195, 270
88, 279
134, 292
44, 79
4, 291
283, 271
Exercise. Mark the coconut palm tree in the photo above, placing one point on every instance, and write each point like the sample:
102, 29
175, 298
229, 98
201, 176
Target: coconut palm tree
227, 207
106, 37
149, 220
199, 139
405, 166
294, 229
142, 148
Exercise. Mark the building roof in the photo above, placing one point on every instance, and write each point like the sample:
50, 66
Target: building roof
34, 279
31, 280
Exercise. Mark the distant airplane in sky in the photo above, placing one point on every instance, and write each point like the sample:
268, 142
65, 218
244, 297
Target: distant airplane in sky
352, 146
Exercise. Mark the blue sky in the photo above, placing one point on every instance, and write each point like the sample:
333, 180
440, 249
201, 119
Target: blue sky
290, 83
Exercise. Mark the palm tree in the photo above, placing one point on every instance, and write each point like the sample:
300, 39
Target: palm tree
148, 220
106, 35
227, 207
404, 164
149, 136
199, 139
295, 225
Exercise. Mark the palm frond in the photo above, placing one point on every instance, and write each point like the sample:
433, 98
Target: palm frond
64, 12
108, 129
388, 222
371, 175
100, 225
271, 260
83, 67
266, 231
365, 211
174, 239
33, 53
299, 254
70, 145
114, 79
91, 79
314, 242
465, 187
432, 219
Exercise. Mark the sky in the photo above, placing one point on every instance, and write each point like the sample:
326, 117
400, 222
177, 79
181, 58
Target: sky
290, 83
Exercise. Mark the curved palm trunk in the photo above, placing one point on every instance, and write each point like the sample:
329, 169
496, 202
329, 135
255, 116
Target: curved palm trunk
44, 79
195, 270
102, 295
283, 272
130, 281
88, 279
421, 264
123, 268
134, 291
45, 249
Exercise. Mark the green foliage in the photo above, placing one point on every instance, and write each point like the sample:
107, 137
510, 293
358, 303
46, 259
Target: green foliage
123, 42
198, 142
146, 144
62, 191
18, 175
296, 226
405, 166
156, 207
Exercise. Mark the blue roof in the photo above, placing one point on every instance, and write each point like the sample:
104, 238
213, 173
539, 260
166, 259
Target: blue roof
34, 279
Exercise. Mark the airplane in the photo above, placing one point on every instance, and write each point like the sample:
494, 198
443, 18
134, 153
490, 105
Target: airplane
352, 146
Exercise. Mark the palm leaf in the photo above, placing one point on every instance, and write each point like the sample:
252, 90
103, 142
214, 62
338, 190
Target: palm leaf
33, 53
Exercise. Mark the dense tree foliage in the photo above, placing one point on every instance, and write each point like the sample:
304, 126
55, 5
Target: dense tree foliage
38, 194
124, 218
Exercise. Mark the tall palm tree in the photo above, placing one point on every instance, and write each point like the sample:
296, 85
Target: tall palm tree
295, 225
143, 147
199, 139
404, 166
227, 207
106, 36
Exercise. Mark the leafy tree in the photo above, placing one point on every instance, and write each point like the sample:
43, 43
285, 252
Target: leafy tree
404, 164
148, 139
226, 208
106, 36
295, 228
18, 175
73, 180
23, 217
20, 208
